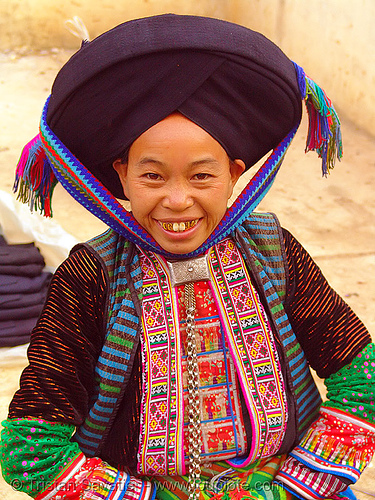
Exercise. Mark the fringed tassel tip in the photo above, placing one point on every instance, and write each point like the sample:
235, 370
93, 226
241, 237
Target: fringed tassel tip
35, 181
324, 133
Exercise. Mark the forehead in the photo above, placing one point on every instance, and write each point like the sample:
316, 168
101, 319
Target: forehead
176, 135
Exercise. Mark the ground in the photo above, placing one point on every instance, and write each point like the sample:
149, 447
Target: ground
333, 217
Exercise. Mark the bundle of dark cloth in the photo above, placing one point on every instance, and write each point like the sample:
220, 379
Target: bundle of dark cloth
23, 289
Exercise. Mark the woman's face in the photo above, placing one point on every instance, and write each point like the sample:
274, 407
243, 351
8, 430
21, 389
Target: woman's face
178, 180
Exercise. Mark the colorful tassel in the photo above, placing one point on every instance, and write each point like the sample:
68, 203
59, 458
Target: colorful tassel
35, 180
324, 134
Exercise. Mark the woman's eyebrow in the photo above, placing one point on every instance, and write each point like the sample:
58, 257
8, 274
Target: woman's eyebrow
204, 161
147, 160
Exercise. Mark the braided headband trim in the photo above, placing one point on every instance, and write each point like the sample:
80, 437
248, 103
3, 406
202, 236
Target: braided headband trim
46, 161
91, 193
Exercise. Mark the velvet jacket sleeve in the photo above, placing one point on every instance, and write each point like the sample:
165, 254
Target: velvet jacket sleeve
38, 454
326, 327
338, 446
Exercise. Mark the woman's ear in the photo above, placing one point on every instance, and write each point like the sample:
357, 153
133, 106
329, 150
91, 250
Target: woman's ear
122, 171
237, 167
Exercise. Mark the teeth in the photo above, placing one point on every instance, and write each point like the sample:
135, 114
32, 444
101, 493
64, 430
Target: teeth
178, 227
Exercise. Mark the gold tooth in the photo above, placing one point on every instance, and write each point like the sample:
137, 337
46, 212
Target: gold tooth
178, 226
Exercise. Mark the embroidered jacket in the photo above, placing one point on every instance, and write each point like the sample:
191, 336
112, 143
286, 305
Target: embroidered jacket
278, 280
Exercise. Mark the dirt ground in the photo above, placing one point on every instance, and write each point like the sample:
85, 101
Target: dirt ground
332, 217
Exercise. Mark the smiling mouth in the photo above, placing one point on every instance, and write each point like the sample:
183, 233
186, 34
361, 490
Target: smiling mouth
178, 227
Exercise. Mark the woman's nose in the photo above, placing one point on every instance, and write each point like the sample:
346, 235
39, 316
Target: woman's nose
178, 196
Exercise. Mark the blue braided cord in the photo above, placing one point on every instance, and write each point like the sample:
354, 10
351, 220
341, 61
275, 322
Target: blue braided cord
101, 203
252, 194
301, 77
126, 225
249, 198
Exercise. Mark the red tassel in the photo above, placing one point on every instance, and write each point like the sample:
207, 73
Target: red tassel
35, 180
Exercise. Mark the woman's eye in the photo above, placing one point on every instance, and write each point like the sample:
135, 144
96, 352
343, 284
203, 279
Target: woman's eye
202, 176
152, 176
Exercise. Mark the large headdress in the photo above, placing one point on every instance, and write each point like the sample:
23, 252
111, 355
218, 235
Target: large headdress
231, 81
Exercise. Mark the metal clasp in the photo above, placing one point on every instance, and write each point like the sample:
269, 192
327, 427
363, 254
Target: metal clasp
186, 271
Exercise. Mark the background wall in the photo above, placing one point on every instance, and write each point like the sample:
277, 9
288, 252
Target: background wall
332, 39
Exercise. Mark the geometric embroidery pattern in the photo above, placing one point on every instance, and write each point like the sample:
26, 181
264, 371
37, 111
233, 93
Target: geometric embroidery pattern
252, 347
223, 433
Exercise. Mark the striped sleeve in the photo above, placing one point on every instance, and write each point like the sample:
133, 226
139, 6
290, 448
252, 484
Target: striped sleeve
328, 330
340, 443
65, 344
38, 454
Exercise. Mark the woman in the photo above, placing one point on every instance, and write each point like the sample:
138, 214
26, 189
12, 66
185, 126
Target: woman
172, 355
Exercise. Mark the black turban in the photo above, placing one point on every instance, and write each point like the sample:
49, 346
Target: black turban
231, 81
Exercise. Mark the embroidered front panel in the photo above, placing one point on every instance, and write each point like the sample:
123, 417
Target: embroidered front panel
252, 347
233, 339
223, 431
160, 443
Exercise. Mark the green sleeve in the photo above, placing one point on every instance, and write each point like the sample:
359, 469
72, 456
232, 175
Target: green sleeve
33, 452
351, 389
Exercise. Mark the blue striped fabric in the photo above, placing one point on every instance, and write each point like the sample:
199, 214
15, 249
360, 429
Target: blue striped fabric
116, 359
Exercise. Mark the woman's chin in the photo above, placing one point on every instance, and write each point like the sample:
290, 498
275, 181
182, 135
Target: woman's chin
181, 242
